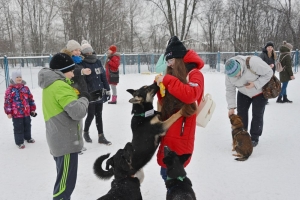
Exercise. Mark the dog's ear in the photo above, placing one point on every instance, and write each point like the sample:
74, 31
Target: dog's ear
110, 162
184, 158
131, 91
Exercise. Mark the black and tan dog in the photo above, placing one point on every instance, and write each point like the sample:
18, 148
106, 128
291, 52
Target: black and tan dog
241, 140
124, 186
146, 125
179, 186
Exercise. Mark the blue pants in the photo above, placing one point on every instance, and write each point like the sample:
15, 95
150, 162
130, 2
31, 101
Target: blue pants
22, 129
163, 173
66, 167
283, 88
258, 108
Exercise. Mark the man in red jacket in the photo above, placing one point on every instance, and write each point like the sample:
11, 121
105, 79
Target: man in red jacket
180, 92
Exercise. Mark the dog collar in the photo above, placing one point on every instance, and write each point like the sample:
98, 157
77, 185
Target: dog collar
146, 114
179, 178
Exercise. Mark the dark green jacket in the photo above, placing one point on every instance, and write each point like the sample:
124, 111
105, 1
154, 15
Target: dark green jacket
286, 62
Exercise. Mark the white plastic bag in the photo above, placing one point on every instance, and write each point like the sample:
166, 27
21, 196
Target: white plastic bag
205, 110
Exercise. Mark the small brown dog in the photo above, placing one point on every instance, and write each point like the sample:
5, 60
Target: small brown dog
241, 140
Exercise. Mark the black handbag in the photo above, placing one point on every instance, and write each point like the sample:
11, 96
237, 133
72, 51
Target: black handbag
113, 76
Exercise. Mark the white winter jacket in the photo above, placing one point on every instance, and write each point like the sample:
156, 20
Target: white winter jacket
262, 74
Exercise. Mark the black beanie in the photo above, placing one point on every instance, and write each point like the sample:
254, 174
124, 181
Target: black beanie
270, 43
175, 49
62, 62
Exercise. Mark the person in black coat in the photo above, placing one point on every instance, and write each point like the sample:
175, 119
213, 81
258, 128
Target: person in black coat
269, 56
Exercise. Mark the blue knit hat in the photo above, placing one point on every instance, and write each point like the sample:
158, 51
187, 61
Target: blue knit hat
232, 67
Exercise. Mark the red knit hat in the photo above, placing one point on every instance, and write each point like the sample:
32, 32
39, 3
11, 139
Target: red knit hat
113, 48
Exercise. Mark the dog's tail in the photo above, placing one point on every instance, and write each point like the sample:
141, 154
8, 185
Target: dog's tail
99, 172
242, 159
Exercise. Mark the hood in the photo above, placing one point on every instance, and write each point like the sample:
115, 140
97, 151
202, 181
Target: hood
90, 58
192, 57
47, 76
284, 49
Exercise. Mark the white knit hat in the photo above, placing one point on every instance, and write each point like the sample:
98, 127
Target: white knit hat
16, 74
86, 47
72, 45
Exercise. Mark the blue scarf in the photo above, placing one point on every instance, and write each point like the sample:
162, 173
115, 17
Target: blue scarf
77, 59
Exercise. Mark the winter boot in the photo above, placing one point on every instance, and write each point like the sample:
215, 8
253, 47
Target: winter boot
279, 99
114, 100
86, 136
102, 139
285, 99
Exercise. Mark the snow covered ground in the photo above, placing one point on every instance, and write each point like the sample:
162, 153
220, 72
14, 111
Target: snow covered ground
271, 173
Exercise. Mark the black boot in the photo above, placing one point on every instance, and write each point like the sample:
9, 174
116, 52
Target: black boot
86, 136
285, 99
279, 99
102, 139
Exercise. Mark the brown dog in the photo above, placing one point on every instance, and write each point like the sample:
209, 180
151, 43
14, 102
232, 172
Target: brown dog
241, 140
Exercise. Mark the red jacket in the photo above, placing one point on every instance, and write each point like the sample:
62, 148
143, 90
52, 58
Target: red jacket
112, 64
175, 139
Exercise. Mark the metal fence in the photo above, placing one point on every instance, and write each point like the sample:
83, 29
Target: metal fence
130, 63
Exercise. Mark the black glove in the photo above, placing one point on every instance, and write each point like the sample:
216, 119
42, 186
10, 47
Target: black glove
85, 94
33, 114
96, 95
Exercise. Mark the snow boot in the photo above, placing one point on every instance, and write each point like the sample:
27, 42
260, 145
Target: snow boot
21, 146
114, 100
285, 99
86, 136
102, 139
279, 99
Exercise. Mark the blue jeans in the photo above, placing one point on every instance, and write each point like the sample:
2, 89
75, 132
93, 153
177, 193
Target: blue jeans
283, 88
163, 173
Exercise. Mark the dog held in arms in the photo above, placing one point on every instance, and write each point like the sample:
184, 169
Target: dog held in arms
124, 186
179, 186
241, 140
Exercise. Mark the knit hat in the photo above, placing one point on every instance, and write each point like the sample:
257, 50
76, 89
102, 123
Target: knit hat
287, 45
270, 43
62, 62
232, 67
113, 48
175, 49
15, 74
72, 45
86, 47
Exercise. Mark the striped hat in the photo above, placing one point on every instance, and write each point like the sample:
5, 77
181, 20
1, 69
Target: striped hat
232, 67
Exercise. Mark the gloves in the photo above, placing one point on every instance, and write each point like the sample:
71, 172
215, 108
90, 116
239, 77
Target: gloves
85, 94
108, 95
96, 95
33, 114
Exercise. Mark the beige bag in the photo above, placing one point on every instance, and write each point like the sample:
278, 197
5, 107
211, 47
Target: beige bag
205, 110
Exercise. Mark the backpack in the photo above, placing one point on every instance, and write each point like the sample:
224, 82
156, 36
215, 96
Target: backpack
279, 67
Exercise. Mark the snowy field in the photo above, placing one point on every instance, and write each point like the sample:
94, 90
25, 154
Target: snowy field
271, 173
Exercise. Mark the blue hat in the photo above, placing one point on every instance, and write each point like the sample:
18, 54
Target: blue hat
232, 67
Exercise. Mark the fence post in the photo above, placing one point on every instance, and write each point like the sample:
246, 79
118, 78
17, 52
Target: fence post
123, 63
139, 63
296, 60
6, 71
219, 61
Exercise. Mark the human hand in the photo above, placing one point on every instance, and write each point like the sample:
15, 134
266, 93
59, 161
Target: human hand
292, 77
230, 112
159, 78
108, 94
86, 71
249, 85
272, 65
33, 114
9, 116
